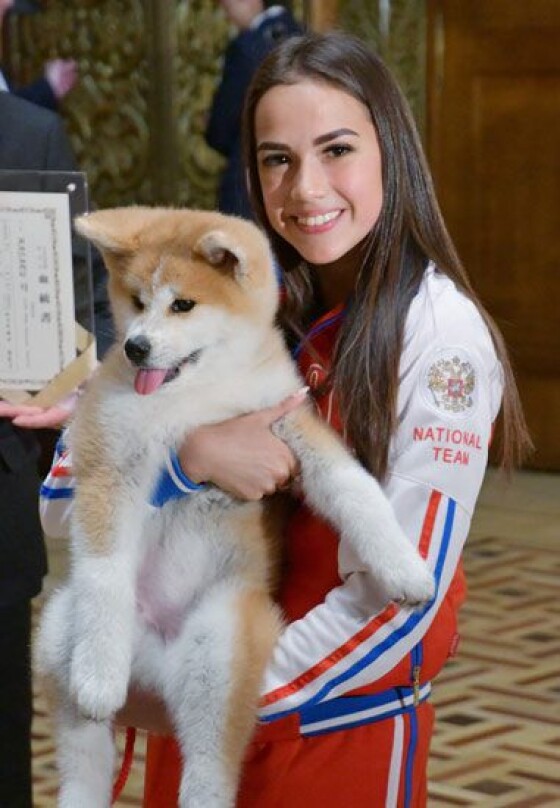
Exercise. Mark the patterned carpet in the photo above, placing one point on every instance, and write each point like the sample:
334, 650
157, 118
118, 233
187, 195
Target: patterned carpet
497, 740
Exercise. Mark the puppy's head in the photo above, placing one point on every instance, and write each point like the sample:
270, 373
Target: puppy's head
184, 285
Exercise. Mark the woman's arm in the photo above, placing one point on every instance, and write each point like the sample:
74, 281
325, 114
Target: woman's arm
240, 456
56, 495
449, 397
57, 491
31, 417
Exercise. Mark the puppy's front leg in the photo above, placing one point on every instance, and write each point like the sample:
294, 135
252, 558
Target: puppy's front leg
342, 491
106, 533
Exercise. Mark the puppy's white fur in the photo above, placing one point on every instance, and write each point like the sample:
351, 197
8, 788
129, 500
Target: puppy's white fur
179, 599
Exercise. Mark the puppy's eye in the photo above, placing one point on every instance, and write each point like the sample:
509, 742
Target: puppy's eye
181, 306
137, 303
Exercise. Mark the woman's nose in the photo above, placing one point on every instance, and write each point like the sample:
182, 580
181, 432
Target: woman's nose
309, 181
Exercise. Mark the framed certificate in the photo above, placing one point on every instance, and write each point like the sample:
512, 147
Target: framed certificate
47, 345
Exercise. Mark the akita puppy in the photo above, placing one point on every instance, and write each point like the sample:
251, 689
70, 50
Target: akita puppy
179, 599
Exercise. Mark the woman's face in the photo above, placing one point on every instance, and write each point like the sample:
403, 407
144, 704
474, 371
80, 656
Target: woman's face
319, 166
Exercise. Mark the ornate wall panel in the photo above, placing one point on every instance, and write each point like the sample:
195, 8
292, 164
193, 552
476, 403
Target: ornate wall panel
201, 38
321, 15
107, 114
397, 29
147, 73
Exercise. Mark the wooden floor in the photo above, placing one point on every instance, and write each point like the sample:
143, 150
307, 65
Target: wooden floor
497, 740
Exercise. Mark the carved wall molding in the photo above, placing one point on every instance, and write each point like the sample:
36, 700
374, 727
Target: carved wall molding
397, 30
148, 69
107, 114
322, 14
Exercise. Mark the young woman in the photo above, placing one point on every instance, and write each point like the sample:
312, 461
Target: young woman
401, 358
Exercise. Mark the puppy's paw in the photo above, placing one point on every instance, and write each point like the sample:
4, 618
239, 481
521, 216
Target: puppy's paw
410, 582
98, 690
418, 587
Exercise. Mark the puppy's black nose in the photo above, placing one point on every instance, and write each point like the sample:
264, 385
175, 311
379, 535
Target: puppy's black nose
137, 349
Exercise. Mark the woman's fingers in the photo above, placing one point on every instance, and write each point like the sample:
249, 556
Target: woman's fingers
242, 455
271, 414
51, 418
8, 410
31, 417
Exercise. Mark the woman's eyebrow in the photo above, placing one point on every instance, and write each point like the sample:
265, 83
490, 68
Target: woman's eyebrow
269, 145
333, 136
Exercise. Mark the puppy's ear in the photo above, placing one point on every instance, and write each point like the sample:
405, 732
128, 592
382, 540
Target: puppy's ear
222, 251
114, 230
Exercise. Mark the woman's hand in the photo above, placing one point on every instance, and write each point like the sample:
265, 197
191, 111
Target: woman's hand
31, 417
241, 455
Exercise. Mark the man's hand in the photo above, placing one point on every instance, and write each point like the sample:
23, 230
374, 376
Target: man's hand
62, 75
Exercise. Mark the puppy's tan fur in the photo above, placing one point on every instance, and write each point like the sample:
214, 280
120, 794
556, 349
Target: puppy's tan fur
179, 599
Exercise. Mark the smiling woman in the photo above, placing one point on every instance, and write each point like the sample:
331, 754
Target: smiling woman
322, 185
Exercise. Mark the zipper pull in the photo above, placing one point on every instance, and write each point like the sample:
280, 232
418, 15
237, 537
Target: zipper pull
416, 685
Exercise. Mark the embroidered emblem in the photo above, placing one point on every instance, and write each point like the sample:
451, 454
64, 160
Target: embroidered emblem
451, 382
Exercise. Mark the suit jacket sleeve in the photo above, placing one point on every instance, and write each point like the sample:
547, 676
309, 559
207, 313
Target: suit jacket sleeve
38, 92
241, 59
58, 151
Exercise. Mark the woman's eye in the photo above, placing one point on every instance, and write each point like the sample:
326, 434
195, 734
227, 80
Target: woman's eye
272, 160
338, 149
137, 303
180, 306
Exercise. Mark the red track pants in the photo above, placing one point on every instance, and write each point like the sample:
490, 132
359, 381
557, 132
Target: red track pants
377, 765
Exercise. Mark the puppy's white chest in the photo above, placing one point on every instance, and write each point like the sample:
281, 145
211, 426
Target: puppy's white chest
183, 557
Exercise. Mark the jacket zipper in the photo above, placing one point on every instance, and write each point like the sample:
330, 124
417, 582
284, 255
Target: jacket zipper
416, 656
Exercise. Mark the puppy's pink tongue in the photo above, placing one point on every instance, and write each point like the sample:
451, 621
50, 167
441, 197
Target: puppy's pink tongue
147, 381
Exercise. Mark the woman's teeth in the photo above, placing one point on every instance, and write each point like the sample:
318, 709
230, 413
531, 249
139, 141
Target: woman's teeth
316, 221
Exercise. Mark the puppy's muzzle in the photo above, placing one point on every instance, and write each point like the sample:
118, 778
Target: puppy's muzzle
137, 349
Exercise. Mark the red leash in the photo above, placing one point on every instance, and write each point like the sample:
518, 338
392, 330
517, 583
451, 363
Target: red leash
126, 765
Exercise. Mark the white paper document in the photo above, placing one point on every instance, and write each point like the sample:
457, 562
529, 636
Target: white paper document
37, 324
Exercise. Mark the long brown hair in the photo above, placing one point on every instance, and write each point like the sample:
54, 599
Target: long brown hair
408, 233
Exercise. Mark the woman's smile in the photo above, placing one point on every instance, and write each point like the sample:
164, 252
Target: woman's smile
319, 168
318, 222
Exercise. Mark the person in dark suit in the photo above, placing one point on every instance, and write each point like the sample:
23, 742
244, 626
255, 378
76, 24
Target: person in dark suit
262, 24
59, 75
31, 138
